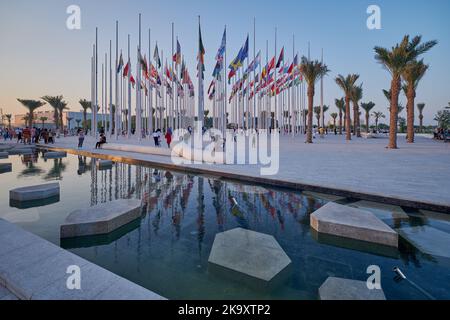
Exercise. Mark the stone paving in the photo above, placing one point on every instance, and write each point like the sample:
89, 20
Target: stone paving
415, 172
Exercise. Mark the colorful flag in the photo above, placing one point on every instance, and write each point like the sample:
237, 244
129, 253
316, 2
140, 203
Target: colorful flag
133, 82
120, 66
201, 55
223, 45
126, 70
156, 57
281, 58
177, 56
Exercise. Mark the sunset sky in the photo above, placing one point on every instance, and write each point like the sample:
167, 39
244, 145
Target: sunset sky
40, 56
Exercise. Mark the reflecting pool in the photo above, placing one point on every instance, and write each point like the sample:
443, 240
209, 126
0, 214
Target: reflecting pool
167, 250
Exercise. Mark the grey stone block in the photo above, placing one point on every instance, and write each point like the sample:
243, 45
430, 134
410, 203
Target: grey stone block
55, 155
36, 192
250, 253
101, 219
5, 167
4, 155
344, 221
428, 240
22, 151
381, 210
346, 289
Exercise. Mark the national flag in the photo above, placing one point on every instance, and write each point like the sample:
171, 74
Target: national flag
296, 60
291, 68
222, 47
153, 72
133, 82
281, 58
120, 66
244, 53
212, 85
255, 63
168, 73
271, 65
201, 55
177, 56
126, 70
156, 57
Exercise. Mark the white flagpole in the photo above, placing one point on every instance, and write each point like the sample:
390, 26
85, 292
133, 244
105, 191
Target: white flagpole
254, 75
322, 117
110, 90
138, 124
150, 96
200, 88
276, 89
225, 99
94, 127
92, 89
103, 95
129, 92
117, 110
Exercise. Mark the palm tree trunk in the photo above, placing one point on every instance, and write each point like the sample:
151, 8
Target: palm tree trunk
348, 121
367, 122
376, 124
355, 117
410, 113
310, 112
393, 121
421, 122
340, 122
358, 123
84, 119
56, 118
318, 121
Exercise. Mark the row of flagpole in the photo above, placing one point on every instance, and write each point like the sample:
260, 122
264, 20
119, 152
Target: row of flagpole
258, 100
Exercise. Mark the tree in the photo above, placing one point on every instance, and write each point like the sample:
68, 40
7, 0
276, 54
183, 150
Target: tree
443, 119
420, 107
378, 115
340, 104
317, 112
85, 105
334, 116
347, 84
125, 113
367, 108
61, 107
54, 102
395, 61
412, 74
43, 119
31, 105
8, 118
69, 119
357, 94
311, 71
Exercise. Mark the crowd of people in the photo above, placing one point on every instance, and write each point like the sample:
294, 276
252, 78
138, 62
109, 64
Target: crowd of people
28, 135
442, 134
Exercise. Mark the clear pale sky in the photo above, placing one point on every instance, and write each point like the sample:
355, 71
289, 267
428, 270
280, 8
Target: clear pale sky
40, 56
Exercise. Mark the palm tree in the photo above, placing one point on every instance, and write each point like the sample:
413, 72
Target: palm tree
85, 105
43, 119
378, 115
54, 101
413, 73
347, 84
340, 104
317, 112
31, 105
367, 107
69, 119
125, 113
420, 107
395, 61
357, 94
334, 115
311, 71
8, 118
61, 107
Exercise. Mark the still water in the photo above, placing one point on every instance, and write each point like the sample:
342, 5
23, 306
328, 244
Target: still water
167, 250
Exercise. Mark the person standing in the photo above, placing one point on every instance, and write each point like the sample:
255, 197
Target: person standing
168, 137
80, 139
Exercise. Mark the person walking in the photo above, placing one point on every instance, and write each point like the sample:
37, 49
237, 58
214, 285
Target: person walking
168, 137
80, 139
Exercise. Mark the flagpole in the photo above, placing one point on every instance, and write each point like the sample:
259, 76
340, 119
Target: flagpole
292, 90
200, 85
92, 90
129, 92
150, 100
117, 109
172, 104
94, 127
110, 90
225, 99
254, 75
322, 117
138, 124
275, 95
